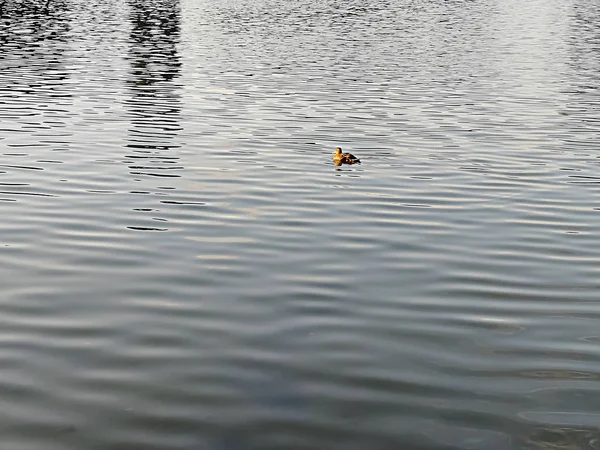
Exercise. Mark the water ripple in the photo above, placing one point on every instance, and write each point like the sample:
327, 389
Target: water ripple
185, 268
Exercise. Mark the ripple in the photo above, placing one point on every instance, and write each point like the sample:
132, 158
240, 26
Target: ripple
147, 229
562, 419
182, 268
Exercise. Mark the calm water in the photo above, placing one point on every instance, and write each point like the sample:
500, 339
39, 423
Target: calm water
183, 267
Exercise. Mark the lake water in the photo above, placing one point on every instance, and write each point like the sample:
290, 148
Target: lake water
183, 267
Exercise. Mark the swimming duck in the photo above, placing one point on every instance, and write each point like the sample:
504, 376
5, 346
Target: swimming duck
340, 158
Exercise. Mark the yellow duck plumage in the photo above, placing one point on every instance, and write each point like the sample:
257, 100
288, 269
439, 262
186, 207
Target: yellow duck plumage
340, 158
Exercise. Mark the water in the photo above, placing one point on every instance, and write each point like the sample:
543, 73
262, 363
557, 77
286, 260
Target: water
183, 267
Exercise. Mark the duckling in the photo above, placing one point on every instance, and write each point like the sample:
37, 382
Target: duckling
340, 158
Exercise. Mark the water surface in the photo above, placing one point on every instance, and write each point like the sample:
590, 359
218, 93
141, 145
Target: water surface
183, 267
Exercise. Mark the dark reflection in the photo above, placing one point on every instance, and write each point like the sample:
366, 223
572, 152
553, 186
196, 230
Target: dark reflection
582, 85
21, 8
33, 40
35, 95
585, 40
154, 103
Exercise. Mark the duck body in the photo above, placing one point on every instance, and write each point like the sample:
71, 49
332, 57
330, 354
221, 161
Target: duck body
340, 158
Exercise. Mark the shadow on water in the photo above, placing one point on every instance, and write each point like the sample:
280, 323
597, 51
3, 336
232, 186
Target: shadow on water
154, 103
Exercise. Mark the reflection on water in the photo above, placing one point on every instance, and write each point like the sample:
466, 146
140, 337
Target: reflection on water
442, 295
580, 111
154, 103
34, 40
34, 98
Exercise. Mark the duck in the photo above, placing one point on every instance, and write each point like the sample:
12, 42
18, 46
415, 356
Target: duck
340, 158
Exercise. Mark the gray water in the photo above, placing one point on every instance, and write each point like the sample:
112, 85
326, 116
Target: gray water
183, 267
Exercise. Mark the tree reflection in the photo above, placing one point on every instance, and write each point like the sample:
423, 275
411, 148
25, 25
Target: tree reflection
33, 88
33, 39
154, 102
